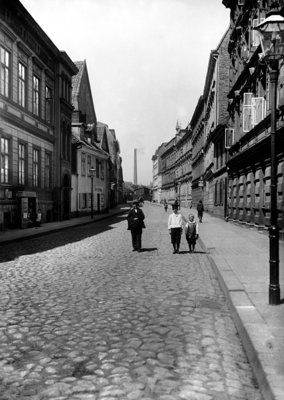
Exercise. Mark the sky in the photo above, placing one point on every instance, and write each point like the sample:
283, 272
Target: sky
146, 59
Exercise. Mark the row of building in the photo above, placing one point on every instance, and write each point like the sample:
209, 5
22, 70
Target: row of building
56, 158
223, 156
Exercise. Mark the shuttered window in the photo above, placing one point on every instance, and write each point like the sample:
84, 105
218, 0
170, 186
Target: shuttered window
254, 111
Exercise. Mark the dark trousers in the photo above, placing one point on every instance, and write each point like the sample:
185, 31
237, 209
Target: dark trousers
136, 239
175, 237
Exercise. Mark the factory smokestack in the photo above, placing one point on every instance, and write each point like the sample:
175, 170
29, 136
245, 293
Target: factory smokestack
135, 166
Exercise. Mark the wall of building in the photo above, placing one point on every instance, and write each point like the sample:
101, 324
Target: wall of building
31, 125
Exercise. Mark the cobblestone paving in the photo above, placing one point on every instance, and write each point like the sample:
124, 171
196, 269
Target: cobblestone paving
82, 317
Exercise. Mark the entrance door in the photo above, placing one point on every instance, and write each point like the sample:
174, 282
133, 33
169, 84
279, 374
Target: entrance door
66, 197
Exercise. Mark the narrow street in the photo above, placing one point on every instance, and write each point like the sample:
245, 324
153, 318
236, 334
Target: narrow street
83, 317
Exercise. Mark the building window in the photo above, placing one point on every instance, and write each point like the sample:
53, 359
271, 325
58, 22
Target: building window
47, 170
83, 164
22, 164
4, 72
102, 171
35, 168
36, 95
97, 168
22, 85
48, 104
82, 200
5, 160
89, 164
254, 111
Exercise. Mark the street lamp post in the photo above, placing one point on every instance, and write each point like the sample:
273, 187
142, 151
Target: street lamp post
91, 175
271, 32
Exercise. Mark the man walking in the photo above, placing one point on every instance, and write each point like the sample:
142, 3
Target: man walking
135, 219
200, 210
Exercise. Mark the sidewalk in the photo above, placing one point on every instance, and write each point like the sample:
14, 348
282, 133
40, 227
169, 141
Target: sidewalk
240, 257
14, 235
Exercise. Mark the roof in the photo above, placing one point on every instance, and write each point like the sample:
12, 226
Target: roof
76, 80
91, 146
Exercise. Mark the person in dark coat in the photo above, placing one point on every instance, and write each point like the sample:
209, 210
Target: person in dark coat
200, 210
165, 205
135, 219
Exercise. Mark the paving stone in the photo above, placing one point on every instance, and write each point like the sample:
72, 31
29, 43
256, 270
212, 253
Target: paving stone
84, 318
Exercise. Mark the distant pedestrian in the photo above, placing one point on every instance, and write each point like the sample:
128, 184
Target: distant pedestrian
31, 218
200, 210
175, 228
166, 205
135, 219
191, 232
176, 204
38, 218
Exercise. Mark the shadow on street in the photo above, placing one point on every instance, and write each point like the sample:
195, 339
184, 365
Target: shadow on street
50, 240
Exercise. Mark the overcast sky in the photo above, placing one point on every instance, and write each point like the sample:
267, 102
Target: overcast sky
146, 59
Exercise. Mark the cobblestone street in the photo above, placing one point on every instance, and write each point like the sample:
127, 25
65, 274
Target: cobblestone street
83, 317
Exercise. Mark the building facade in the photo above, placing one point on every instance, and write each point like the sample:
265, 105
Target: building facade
216, 88
197, 159
90, 163
249, 155
176, 168
35, 121
183, 171
106, 139
157, 176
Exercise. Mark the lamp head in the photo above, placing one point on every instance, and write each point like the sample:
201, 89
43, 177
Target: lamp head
92, 171
271, 34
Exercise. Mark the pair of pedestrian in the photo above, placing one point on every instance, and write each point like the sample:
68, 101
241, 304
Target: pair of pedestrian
175, 226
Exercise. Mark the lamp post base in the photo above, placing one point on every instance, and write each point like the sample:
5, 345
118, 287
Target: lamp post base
274, 287
274, 295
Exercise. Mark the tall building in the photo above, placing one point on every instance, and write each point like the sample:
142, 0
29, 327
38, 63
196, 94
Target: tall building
249, 125
35, 121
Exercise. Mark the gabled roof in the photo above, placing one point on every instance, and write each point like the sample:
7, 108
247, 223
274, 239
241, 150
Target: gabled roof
76, 80
82, 99
92, 146
102, 136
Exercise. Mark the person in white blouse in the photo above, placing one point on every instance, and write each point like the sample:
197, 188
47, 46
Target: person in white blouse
175, 228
